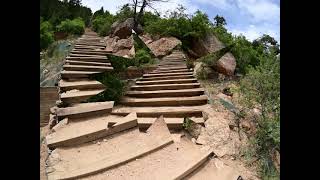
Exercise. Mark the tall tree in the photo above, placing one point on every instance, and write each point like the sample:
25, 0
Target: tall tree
219, 21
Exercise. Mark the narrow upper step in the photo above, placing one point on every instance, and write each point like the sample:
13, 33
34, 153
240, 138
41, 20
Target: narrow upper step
170, 101
166, 93
169, 71
166, 78
80, 85
167, 74
89, 59
86, 68
89, 52
165, 87
71, 62
76, 74
78, 96
85, 110
169, 81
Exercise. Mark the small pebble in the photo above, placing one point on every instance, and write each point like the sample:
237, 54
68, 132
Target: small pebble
98, 143
104, 140
78, 151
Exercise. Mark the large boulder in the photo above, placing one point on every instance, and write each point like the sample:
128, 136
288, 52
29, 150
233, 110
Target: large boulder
163, 46
124, 29
201, 47
146, 38
110, 42
226, 64
124, 53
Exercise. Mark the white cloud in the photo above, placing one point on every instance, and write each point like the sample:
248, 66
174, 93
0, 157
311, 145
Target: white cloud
260, 10
222, 4
111, 5
253, 32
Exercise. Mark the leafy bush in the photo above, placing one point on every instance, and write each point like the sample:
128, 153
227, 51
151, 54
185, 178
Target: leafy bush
75, 26
261, 85
46, 34
114, 91
102, 23
119, 63
142, 57
181, 27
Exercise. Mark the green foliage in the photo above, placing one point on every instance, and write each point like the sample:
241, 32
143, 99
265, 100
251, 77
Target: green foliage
124, 13
46, 34
261, 85
219, 21
75, 26
102, 23
114, 91
56, 11
202, 73
142, 57
211, 59
187, 122
189, 63
180, 26
140, 45
119, 63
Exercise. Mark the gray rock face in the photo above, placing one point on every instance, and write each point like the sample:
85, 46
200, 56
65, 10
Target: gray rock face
124, 29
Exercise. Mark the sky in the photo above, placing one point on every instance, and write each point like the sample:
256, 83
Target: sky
251, 18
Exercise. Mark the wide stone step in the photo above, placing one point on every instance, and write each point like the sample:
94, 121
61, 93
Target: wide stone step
118, 151
169, 71
172, 64
85, 110
172, 68
170, 81
71, 62
87, 68
166, 93
90, 52
85, 55
165, 87
167, 74
80, 85
170, 101
89, 59
70, 135
79, 96
172, 123
91, 44
167, 78
79, 47
169, 111
76, 74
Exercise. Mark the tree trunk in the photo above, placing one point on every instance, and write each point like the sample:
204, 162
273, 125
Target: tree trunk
138, 18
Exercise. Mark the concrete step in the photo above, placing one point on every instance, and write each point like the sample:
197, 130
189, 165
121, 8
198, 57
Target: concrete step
76, 74
101, 59
170, 81
85, 110
91, 44
167, 101
166, 111
169, 71
90, 52
172, 123
87, 68
80, 85
167, 74
172, 68
85, 55
167, 78
118, 151
165, 87
71, 62
71, 135
79, 96
166, 93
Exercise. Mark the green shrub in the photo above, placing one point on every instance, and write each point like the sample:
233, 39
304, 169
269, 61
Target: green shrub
119, 63
142, 57
114, 91
102, 24
46, 34
189, 63
75, 26
261, 85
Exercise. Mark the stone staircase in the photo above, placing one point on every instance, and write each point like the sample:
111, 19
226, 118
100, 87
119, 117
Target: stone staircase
170, 90
99, 141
